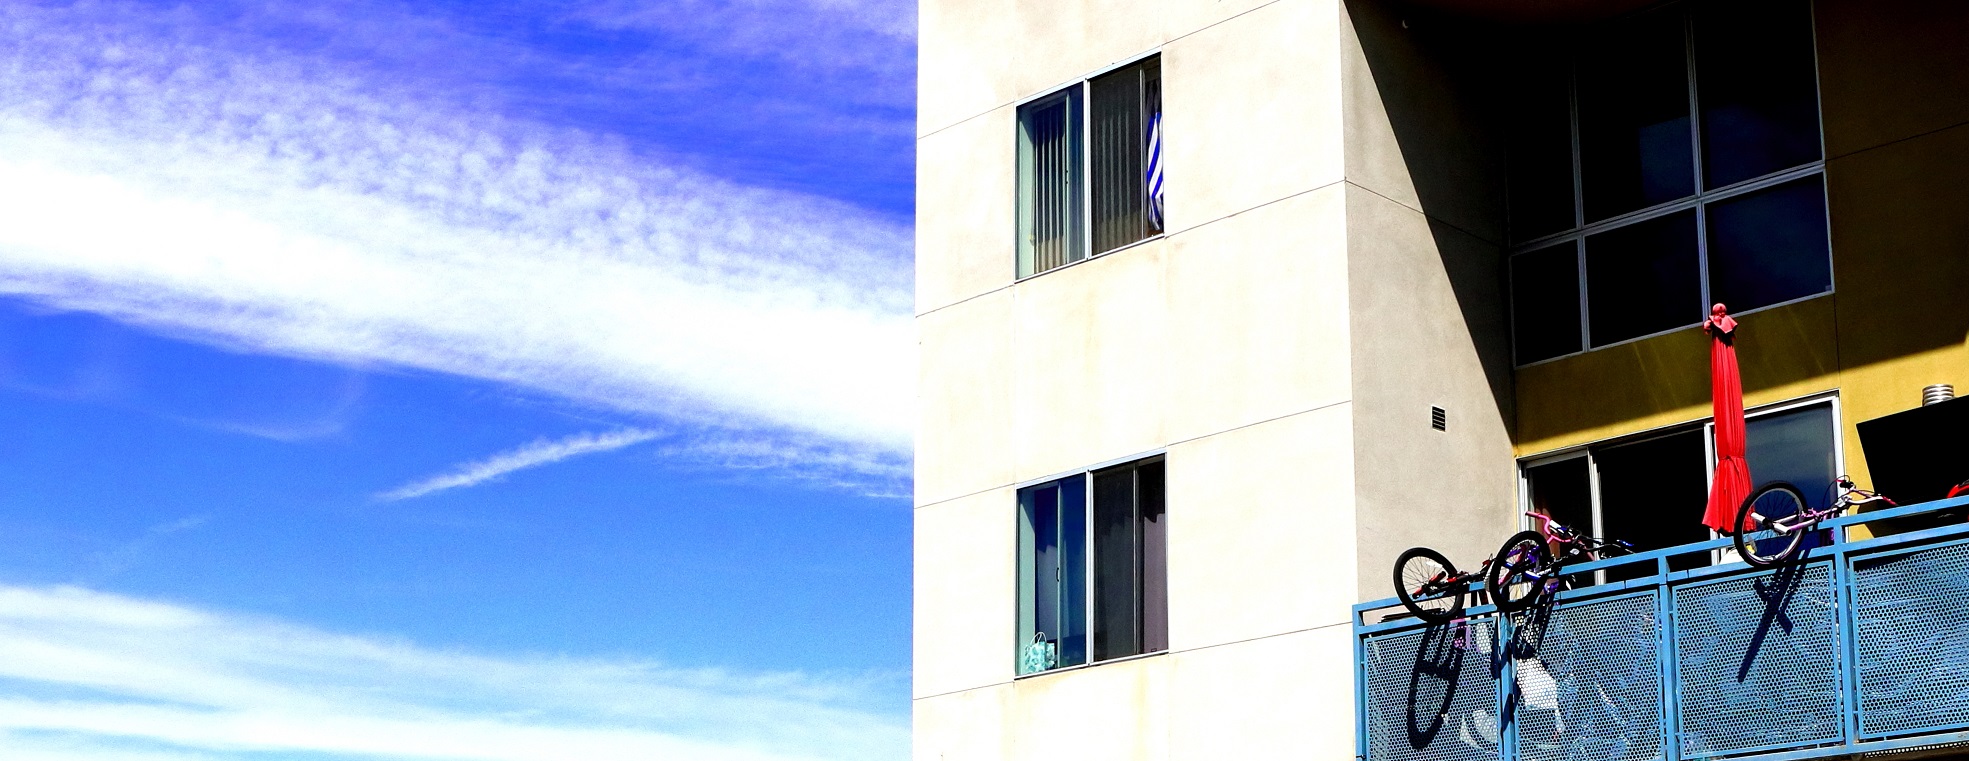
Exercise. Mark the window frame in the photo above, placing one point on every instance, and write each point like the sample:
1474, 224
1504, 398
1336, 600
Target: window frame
1086, 475
1708, 427
1083, 85
1699, 201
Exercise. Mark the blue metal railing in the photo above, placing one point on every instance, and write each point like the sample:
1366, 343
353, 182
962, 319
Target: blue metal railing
1859, 646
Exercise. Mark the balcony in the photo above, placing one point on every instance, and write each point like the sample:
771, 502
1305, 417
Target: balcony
1861, 647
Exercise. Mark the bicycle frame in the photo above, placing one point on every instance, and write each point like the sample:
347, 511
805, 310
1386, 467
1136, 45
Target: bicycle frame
1810, 519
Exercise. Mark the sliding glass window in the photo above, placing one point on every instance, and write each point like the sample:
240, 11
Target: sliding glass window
1107, 130
1676, 155
1092, 568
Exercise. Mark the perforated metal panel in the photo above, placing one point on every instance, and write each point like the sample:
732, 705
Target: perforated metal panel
1588, 683
1433, 694
1910, 613
1758, 662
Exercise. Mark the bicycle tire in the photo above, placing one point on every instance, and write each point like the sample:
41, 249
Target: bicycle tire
1417, 566
1508, 582
1774, 500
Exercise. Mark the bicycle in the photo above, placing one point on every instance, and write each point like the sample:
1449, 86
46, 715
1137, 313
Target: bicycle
1525, 569
1780, 507
1430, 587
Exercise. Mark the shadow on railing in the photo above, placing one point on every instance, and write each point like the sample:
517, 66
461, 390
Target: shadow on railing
1855, 647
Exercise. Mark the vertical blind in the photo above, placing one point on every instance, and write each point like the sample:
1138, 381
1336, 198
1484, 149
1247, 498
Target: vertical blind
1059, 217
1049, 183
1123, 104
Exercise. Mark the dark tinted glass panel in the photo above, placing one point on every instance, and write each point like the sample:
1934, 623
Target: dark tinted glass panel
1117, 565
1759, 94
1155, 559
1563, 490
1121, 104
1795, 446
1643, 278
1538, 126
1545, 302
1073, 571
1652, 494
1769, 246
1052, 569
1636, 149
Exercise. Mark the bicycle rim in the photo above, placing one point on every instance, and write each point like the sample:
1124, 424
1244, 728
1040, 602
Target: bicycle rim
1419, 583
1774, 502
1510, 583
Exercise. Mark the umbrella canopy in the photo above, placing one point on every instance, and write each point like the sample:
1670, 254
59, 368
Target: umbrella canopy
1732, 483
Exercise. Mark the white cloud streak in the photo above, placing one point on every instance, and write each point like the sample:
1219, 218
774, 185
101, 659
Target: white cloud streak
260, 206
97, 676
534, 454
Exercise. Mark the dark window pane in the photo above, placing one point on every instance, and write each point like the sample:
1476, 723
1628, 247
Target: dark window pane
1120, 107
1052, 563
1116, 566
1049, 183
1039, 560
1759, 94
1634, 139
1769, 246
1155, 559
1073, 571
1563, 490
1538, 128
1652, 494
1795, 446
1545, 302
1643, 278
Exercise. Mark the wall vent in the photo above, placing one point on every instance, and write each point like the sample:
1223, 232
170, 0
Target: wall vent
1439, 418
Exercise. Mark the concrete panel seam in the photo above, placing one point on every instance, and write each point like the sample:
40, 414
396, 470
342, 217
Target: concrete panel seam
1169, 236
1172, 651
1261, 638
1425, 214
1233, 429
1897, 141
1193, 32
1000, 683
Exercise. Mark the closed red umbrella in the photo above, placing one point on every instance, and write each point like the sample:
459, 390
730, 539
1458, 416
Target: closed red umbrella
1732, 483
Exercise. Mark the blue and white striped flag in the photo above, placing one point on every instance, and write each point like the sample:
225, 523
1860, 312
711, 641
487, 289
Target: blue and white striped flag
1153, 175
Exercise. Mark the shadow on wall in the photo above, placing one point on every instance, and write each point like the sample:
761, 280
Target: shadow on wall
1428, 80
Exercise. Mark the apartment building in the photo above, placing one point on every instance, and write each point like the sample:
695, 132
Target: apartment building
1222, 304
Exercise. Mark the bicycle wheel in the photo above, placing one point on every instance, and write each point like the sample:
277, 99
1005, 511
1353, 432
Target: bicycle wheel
1424, 582
1776, 500
1510, 582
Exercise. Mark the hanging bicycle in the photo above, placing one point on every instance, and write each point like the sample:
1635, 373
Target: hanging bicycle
1526, 569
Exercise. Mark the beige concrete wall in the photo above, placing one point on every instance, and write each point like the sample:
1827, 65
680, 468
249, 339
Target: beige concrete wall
1224, 344
1427, 304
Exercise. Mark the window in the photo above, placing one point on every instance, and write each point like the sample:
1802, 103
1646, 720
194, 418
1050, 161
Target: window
1092, 568
1109, 131
1651, 491
1673, 160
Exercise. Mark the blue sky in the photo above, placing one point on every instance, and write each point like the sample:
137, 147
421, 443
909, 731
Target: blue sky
459, 380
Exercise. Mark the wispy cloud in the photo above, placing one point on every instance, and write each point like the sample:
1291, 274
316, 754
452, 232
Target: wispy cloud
96, 676
539, 452
255, 204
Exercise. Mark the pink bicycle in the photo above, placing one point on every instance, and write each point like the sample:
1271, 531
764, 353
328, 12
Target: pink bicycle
1526, 569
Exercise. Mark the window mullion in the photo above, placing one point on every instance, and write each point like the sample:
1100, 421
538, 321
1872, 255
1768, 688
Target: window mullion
1695, 148
1578, 201
1087, 560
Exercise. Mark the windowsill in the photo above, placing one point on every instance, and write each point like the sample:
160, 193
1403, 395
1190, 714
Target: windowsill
1107, 253
1096, 664
1675, 329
